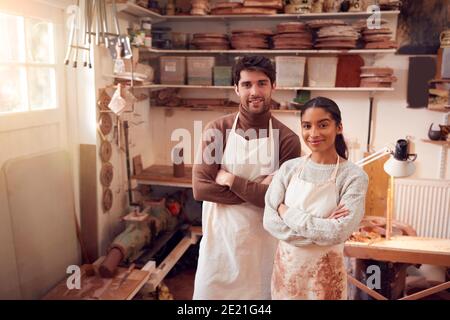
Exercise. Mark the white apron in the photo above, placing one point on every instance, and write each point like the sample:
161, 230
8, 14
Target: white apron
310, 272
236, 253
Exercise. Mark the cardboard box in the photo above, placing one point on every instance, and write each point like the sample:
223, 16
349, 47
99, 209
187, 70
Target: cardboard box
222, 76
172, 70
322, 71
200, 70
290, 71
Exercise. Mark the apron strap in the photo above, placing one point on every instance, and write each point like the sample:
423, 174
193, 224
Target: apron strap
302, 166
233, 128
270, 138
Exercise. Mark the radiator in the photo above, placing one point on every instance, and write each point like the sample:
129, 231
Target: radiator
425, 205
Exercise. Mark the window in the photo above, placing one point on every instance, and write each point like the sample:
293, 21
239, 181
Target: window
27, 64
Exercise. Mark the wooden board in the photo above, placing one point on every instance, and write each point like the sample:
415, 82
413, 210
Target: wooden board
98, 288
404, 249
163, 175
349, 70
88, 200
376, 197
41, 204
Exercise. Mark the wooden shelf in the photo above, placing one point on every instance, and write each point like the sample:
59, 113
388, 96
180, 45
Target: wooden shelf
439, 142
162, 175
447, 110
138, 11
358, 89
305, 52
217, 108
308, 16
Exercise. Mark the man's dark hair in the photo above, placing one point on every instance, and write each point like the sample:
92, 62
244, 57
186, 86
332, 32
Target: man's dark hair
254, 63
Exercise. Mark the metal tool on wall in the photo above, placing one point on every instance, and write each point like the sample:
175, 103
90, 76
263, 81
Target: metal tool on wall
73, 26
94, 17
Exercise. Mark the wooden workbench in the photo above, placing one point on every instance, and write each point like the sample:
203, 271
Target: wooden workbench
120, 287
402, 249
163, 176
405, 249
98, 288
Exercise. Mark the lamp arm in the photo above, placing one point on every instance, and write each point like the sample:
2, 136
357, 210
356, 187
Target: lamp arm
374, 156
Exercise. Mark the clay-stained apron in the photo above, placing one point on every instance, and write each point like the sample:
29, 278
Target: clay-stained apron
310, 272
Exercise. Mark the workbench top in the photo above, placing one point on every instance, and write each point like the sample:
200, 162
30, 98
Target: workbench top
405, 249
98, 288
162, 175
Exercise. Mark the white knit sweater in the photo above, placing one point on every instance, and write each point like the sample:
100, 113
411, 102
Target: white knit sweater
298, 227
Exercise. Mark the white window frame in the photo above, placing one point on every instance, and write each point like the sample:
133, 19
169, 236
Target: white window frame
32, 118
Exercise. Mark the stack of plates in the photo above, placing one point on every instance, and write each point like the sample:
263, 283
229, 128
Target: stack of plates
337, 37
377, 77
363, 24
211, 41
222, 7
247, 39
378, 38
256, 7
292, 36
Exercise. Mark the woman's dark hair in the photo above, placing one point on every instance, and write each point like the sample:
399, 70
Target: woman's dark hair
332, 108
254, 63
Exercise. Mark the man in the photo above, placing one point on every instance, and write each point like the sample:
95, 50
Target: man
231, 178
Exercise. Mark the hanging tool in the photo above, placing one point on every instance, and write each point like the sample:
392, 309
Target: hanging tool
71, 36
76, 19
85, 31
127, 155
97, 23
369, 133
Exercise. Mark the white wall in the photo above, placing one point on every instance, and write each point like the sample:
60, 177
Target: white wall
152, 139
392, 120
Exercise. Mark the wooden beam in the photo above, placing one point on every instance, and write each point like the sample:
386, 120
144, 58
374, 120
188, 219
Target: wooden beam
427, 292
366, 289
168, 263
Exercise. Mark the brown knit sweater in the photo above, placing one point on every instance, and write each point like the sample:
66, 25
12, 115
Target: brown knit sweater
242, 190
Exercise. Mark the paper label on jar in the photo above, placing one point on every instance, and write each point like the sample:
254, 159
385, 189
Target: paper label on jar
148, 42
146, 26
170, 67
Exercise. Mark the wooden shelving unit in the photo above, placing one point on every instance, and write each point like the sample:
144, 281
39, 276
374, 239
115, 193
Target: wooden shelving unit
138, 11
180, 86
297, 52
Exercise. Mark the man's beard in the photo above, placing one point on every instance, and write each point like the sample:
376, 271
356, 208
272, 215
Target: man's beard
264, 108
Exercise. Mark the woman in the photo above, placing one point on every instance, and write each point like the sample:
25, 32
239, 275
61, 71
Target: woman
313, 205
